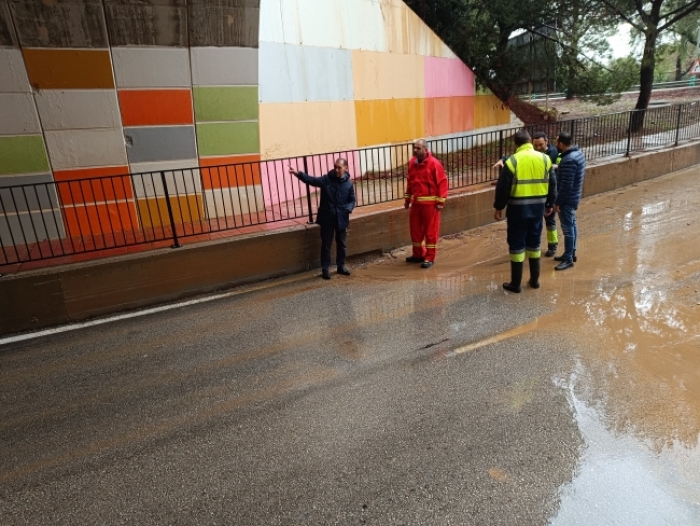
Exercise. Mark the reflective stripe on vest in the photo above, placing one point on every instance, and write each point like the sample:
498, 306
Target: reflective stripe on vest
530, 176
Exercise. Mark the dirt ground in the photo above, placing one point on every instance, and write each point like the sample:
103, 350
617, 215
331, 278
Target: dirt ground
579, 108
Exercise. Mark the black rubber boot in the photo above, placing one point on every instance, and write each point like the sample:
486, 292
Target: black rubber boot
534, 273
516, 276
551, 250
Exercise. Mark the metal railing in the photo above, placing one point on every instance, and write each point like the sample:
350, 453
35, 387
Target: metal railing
158, 209
686, 83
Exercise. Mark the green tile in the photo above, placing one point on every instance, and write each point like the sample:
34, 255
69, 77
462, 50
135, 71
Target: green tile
23, 154
234, 103
228, 138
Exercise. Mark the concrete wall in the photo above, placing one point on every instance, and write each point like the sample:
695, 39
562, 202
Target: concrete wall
98, 88
44, 298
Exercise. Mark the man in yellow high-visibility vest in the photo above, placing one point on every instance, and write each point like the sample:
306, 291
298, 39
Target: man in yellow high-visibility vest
523, 187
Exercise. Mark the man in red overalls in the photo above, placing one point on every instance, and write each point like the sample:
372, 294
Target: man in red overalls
426, 190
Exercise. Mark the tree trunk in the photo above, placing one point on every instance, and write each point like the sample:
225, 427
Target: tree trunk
646, 81
679, 70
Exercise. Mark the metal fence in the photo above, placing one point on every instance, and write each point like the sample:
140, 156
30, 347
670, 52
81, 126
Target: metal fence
53, 219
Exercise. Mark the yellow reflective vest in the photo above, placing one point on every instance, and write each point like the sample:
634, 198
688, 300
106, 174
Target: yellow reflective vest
530, 171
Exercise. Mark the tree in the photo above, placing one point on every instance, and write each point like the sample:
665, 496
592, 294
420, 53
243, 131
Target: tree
583, 27
651, 18
478, 31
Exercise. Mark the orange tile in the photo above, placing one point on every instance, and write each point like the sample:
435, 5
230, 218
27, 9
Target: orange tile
154, 212
490, 111
69, 68
230, 172
95, 220
156, 107
447, 115
113, 184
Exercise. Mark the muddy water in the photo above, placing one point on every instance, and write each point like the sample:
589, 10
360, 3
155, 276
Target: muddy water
630, 310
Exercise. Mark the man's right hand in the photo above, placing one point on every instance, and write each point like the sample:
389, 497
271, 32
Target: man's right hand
498, 215
292, 171
407, 204
499, 164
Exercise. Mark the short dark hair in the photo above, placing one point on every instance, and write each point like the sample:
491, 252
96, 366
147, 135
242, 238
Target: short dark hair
342, 160
521, 137
565, 138
539, 135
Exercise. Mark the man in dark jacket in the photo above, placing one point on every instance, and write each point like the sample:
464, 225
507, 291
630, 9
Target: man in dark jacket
541, 144
570, 174
523, 187
337, 202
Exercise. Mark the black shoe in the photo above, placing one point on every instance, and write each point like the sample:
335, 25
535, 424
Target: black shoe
551, 250
564, 265
343, 270
414, 259
561, 258
427, 264
325, 274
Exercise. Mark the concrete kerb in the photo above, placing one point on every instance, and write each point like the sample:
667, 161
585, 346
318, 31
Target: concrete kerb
56, 295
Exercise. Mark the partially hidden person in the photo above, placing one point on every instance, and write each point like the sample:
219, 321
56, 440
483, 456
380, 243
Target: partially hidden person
333, 216
542, 144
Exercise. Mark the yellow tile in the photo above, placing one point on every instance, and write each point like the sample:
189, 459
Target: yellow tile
489, 111
387, 75
389, 121
302, 128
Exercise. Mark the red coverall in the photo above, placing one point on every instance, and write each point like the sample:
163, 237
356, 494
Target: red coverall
426, 190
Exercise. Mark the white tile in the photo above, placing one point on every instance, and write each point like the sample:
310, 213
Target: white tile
291, 73
182, 177
86, 148
148, 67
18, 114
224, 66
225, 202
13, 72
78, 109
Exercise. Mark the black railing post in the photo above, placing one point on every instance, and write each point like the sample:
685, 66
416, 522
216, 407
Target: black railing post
678, 123
629, 134
500, 144
176, 243
308, 193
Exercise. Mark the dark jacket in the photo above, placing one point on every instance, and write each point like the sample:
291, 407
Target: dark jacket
553, 154
570, 173
337, 198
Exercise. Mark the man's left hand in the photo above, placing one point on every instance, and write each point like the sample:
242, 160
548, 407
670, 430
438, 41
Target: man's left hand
498, 215
439, 207
548, 212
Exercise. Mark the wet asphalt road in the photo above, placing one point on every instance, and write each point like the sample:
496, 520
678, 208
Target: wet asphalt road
396, 396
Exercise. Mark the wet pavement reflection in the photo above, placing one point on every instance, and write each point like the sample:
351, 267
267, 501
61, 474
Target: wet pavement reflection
396, 396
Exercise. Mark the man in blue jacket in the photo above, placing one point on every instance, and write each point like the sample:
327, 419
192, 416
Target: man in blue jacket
333, 216
570, 174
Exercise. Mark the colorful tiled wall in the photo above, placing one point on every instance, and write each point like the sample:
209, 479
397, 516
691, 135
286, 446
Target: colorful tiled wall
23, 154
344, 74
182, 89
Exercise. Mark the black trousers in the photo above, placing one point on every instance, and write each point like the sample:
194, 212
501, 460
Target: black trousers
327, 233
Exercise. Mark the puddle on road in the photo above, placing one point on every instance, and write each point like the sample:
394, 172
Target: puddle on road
623, 480
630, 309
